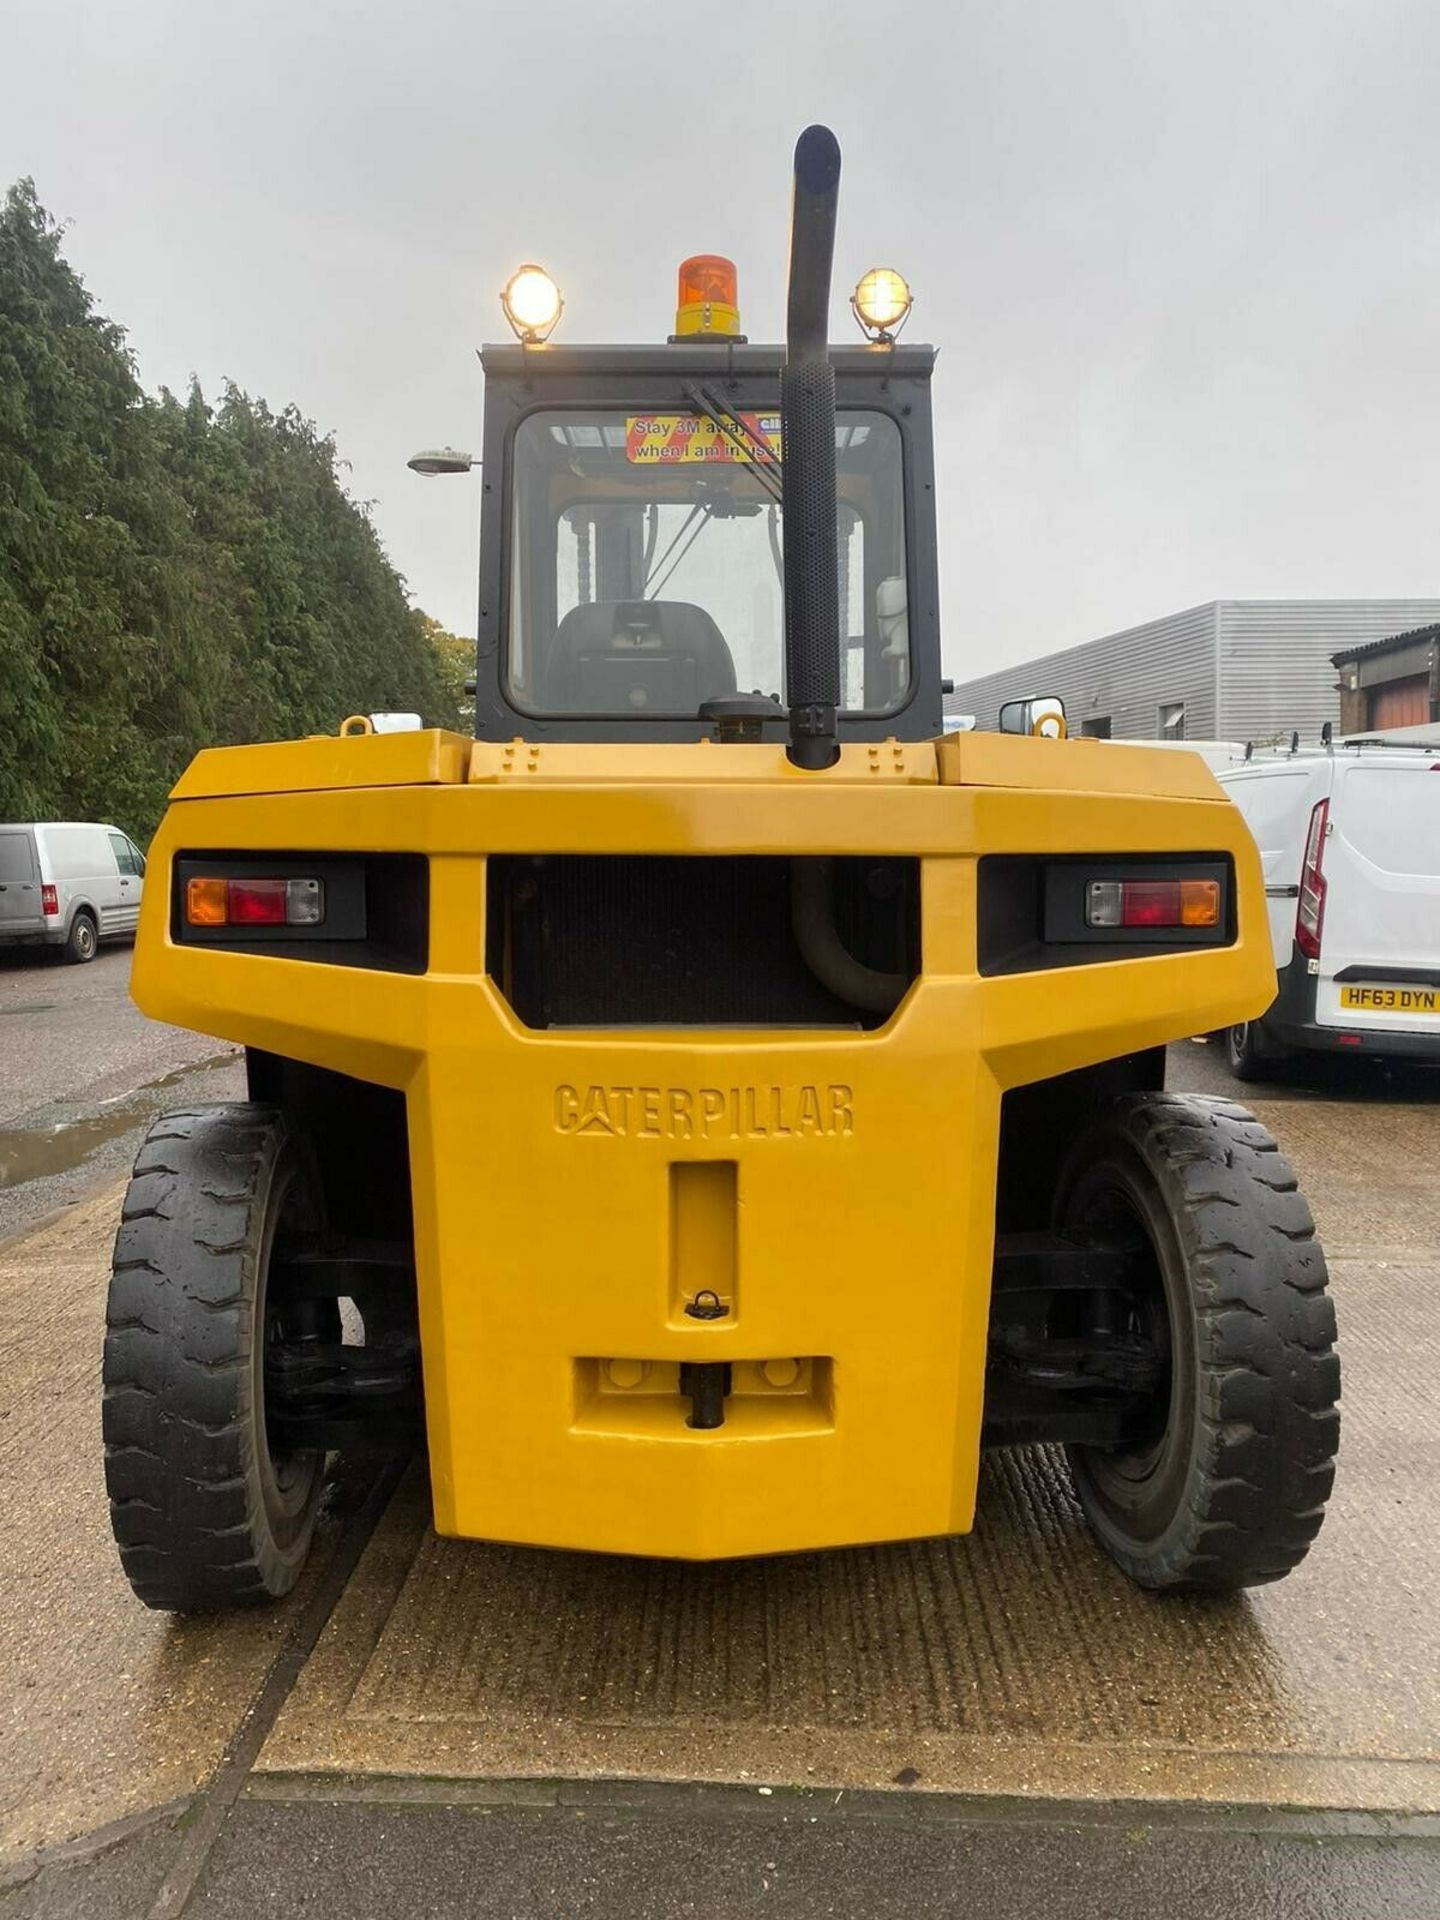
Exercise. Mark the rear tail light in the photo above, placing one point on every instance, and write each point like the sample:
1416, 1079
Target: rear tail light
1310, 913
49, 900
1152, 903
211, 901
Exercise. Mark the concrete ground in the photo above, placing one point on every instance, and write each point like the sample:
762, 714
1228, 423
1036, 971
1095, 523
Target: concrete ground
996, 1725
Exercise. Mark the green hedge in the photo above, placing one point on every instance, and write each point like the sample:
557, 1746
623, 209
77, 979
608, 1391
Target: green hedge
172, 575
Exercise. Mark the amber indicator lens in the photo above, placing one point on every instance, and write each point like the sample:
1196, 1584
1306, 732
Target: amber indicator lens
1152, 903
1199, 903
205, 903
217, 902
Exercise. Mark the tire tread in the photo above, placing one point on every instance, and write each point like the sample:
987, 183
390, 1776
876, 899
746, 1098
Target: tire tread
1268, 1376
177, 1414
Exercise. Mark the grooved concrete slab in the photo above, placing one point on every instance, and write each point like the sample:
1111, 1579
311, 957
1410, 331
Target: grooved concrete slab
106, 1709
1014, 1661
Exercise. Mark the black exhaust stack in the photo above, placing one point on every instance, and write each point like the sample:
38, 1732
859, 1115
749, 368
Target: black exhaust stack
807, 411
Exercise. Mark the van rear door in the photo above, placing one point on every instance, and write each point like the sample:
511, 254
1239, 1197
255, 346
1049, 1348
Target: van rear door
20, 905
1380, 943
1276, 800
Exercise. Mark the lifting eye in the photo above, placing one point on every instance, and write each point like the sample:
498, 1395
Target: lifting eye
707, 1305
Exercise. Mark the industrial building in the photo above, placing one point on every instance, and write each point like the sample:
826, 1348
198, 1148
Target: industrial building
1227, 670
1391, 683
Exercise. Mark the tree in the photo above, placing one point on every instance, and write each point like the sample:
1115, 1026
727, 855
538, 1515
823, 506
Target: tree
172, 575
456, 657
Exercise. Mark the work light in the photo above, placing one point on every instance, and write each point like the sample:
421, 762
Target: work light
532, 304
882, 302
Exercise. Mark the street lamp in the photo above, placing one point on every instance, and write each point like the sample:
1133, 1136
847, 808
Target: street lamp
433, 460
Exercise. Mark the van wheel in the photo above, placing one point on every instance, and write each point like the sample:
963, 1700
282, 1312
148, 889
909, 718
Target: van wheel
1225, 1481
206, 1512
1249, 1056
81, 941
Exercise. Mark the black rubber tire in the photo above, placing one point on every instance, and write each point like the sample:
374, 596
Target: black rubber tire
204, 1517
82, 942
1248, 1054
1231, 1488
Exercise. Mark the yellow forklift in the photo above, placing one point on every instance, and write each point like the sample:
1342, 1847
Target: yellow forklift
707, 1107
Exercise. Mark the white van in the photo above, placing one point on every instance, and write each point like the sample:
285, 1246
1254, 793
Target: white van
68, 884
1349, 838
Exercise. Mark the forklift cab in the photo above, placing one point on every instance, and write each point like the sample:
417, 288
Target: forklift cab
632, 541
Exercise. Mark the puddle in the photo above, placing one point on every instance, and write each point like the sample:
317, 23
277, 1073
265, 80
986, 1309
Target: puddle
38, 1153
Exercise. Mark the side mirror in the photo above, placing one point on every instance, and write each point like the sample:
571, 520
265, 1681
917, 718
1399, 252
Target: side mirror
1043, 715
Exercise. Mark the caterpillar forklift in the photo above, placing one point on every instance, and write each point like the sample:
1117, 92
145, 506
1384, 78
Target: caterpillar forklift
706, 1108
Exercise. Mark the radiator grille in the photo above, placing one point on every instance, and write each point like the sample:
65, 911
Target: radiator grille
649, 940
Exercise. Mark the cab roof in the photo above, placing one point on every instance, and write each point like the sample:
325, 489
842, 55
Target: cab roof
907, 361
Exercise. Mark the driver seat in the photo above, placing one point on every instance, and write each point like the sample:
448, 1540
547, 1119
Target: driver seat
639, 658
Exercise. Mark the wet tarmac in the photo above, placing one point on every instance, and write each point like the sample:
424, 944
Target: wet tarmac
82, 1075
49, 1149
1198, 1066
646, 1853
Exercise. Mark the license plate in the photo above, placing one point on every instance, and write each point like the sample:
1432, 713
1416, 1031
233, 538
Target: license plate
1381, 999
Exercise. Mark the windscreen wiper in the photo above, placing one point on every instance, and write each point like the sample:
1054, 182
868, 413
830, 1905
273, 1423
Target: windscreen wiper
696, 519
760, 455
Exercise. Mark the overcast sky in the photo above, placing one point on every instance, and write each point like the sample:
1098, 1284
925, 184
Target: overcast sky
1182, 257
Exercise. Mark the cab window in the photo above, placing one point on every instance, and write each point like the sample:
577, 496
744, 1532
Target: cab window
646, 561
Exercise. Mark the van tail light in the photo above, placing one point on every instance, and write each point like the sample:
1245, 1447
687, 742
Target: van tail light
1310, 914
49, 900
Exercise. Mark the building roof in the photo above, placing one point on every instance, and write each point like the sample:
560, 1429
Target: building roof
1396, 640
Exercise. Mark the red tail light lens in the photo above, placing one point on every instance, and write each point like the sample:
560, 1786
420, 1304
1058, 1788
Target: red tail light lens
49, 900
1149, 903
256, 903
1310, 913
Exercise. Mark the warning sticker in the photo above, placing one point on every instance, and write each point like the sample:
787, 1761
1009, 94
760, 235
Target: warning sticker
676, 439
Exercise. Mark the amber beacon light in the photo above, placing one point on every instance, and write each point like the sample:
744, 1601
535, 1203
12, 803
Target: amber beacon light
707, 303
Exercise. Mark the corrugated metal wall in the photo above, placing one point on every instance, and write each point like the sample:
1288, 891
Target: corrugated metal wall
1275, 671
1273, 661
1126, 676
